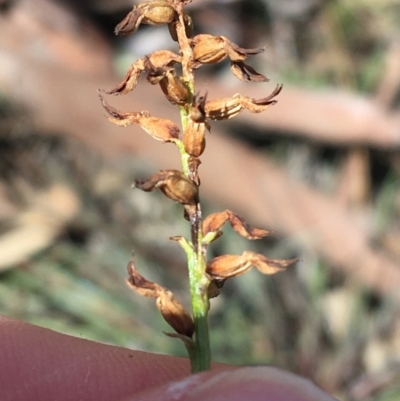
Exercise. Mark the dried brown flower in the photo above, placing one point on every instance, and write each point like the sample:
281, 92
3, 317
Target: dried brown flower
174, 88
215, 221
149, 12
159, 128
174, 184
226, 266
158, 59
208, 49
171, 310
223, 109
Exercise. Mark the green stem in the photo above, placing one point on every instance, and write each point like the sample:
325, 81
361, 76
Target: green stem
199, 354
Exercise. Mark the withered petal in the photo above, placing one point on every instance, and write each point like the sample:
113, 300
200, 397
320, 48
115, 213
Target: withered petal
215, 221
120, 118
242, 53
130, 23
272, 266
226, 266
259, 105
174, 313
159, 128
268, 99
129, 82
163, 58
153, 182
142, 286
246, 73
171, 310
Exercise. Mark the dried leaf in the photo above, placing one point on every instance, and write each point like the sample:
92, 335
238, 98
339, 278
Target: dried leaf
215, 221
226, 266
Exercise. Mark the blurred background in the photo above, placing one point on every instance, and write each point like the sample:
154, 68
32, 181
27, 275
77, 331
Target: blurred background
321, 168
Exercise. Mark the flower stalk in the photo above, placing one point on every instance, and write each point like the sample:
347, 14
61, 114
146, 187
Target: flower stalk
205, 277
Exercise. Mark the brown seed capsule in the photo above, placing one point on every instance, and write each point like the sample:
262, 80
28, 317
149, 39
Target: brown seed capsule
194, 138
173, 87
174, 184
163, 58
149, 12
209, 49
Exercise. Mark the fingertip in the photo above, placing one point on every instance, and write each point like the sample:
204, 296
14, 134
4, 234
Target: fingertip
249, 383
